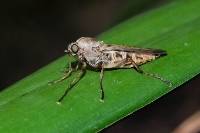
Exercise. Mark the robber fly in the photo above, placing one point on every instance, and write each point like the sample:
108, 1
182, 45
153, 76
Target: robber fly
98, 55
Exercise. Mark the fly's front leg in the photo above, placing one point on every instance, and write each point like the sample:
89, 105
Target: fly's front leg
66, 68
74, 82
137, 68
66, 74
101, 80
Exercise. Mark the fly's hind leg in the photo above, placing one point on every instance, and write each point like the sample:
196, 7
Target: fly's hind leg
73, 83
138, 69
67, 73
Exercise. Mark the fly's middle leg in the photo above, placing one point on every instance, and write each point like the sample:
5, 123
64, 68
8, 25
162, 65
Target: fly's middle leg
101, 84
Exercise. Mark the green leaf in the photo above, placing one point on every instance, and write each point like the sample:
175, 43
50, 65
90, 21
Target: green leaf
30, 105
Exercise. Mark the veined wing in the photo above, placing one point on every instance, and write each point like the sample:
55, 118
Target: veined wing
120, 48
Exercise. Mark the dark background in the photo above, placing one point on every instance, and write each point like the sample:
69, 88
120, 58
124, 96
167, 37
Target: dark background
36, 32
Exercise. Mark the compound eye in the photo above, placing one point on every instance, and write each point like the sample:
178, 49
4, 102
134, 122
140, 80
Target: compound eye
74, 48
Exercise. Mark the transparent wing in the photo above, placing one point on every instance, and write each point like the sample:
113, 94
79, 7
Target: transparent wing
120, 48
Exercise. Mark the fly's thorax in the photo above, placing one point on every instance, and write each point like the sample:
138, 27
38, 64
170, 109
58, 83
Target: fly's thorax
89, 47
87, 43
82, 45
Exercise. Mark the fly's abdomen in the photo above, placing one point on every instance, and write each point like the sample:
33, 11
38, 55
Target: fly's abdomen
146, 55
119, 59
140, 59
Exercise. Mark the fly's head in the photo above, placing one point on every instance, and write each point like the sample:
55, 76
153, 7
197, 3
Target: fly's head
73, 49
76, 49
